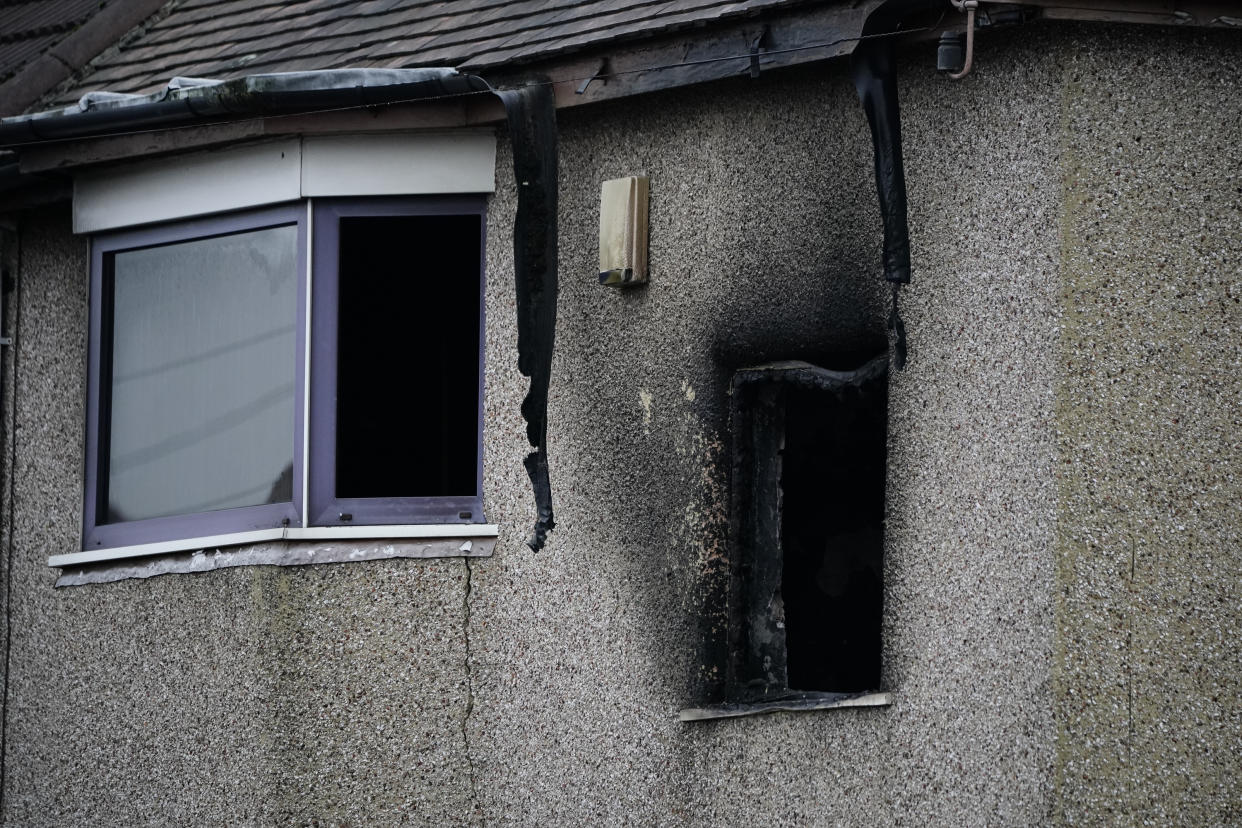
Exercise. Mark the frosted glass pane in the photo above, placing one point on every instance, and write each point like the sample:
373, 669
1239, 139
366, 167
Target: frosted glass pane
202, 380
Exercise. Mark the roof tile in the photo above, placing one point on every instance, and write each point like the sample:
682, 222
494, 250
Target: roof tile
29, 29
226, 38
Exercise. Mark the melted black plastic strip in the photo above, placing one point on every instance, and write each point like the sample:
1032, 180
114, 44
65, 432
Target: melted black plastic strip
899, 332
531, 112
877, 88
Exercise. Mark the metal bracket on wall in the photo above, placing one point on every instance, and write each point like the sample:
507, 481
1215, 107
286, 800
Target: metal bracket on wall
601, 75
757, 44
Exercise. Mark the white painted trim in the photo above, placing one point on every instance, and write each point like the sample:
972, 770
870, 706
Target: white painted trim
730, 711
422, 530
189, 185
450, 530
116, 552
202, 183
399, 164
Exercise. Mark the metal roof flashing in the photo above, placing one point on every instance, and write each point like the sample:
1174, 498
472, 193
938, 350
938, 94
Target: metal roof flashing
190, 100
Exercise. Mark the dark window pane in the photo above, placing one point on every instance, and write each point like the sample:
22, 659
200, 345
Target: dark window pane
202, 375
408, 356
832, 536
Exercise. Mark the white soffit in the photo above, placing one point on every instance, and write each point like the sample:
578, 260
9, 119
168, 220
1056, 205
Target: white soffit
252, 176
399, 164
190, 185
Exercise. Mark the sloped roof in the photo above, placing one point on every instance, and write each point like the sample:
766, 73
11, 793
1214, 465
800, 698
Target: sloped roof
30, 28
44, 42
230, 38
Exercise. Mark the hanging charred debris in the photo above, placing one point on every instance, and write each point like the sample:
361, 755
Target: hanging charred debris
877, 88
531, 114
872, 67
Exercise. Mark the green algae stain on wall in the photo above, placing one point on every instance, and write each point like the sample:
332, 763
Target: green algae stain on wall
1066, 552
364, 689
1146, 657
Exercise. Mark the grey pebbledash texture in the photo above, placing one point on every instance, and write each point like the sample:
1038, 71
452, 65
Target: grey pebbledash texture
1062, 590
765, 244
1149, 414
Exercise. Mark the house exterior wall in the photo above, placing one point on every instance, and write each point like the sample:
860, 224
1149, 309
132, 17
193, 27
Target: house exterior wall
765, 245
268, 695
543, 688
1149, 422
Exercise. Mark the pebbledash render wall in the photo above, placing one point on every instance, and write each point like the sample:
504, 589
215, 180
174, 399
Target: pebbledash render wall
1148, 647
1063, 600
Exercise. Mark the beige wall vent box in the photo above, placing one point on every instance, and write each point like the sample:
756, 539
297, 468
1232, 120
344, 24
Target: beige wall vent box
623, 231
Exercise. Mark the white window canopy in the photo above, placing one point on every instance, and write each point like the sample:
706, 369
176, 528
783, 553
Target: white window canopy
203, 183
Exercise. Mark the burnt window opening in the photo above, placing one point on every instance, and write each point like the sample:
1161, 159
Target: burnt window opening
407, 360
808, 531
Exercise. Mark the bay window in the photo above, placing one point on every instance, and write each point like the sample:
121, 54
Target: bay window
316, 363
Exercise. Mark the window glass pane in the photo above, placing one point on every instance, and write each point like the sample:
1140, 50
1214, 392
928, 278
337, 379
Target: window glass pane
202, 375
408, 356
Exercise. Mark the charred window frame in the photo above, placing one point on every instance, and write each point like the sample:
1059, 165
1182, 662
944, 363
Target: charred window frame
807, 533
406, 272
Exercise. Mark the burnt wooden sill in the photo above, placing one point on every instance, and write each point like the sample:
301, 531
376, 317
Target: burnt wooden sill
791, 704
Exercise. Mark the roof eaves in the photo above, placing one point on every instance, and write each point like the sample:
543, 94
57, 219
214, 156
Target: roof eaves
194, 100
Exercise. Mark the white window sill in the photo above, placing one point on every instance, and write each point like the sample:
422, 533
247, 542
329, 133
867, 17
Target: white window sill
467, 533
824, 701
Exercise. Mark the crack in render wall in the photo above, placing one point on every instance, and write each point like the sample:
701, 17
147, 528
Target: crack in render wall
468, 664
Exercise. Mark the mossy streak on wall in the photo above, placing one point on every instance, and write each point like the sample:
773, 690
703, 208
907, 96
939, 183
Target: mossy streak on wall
1146, 669
333, 726
1070, 429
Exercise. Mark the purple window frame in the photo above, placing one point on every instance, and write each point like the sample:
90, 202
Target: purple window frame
222, 521
324, 507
